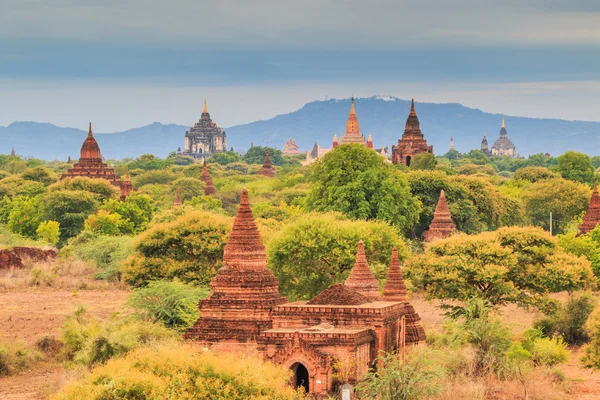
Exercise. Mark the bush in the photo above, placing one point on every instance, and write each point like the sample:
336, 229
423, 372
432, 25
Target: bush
87, 341
101, 188
549, 351
569, 321
189, 248
177, 371
16, 357
107, 252
49, 232
174, 304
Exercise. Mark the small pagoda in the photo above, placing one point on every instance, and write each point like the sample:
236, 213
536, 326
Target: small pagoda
290, 147
412, 142
394, 288
90, 163
361, 278
442, 225
209, 187
352, 134
126, 187
177, 202
592, 216
267, 169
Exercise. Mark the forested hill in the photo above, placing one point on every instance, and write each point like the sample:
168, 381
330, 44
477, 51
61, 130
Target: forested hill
317, 121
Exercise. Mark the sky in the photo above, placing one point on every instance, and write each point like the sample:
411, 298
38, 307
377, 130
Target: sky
127, 63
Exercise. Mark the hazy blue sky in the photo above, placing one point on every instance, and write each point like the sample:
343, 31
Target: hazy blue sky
124, 63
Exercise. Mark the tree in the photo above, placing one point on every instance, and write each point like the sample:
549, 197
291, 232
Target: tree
423, 161
24, 216
563, 198
257, 154
149, 162
100, 188
511, 265
534, 173
190, 248
476, 157
576, 167
319, 250
188, 188
358, 182
225, 158
14, 186
14, 165
70, 208
39, 174
107, 223
49, 232
162, 176
137, 208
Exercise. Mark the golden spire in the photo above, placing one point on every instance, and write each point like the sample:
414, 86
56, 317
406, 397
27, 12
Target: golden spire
370, 139
335, 139
205, 108
503, 122
352, 107
352, 123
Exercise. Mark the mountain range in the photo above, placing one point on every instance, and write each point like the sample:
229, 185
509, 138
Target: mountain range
317, 121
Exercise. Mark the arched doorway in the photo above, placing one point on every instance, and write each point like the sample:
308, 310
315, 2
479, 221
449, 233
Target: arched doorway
408, 161
301, 376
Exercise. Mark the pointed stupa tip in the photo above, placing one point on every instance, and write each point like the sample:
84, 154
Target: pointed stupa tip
335, 138
412, 105
503, 126
205, 107
395, 254
360, 253
370, 139
244, 197
442, 194
90, 134
204, 164
352, 111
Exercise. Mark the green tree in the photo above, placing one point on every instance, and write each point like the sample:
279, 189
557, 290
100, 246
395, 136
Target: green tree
188, 188
137, 208
257, 154
70, 208
563, 198
511, 265
534, 174
190, 248
49, 232
358, 182
107, 223
24, 216
423, 161
162, 176
15, 186
576, 167
225, 158
14, 165
100, 188
39, 174
476, 157
325, 246
149, 162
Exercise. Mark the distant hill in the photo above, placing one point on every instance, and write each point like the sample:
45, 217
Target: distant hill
317, 121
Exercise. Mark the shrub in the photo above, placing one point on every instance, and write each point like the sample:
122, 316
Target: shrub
101, 188
549, 351
189, 248
174, 304
16, 357
154, 177
183, 372
107, 252
87, 341
41, 278
569, 321
49, 232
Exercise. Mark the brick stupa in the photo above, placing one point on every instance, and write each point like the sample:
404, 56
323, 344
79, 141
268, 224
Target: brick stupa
267, 169
209, 187
361, 278
592, 216
412, 142
244, 290
90, 163
126, 187
442, 225
177, 202
394, 288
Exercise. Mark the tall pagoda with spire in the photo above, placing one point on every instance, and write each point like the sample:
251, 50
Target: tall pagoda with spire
484, 145
503, 146
442, 225
352, 134
204, 138
592, 216
412, 142
267, 168
12, 152
209, 187
90, 163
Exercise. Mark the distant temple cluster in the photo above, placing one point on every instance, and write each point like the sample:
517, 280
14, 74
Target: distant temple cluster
412, 142
501, 147
349, 322
204, 138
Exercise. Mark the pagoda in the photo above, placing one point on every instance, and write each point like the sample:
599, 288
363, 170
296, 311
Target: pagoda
12, 152
442, 225
290, 147
204, 138
412, 142
126, 187
352, 134
361, 278
394, 288
209, 187
484, 146
244, 290
177, 202
90, 163
503, 146
267, 169
592, 216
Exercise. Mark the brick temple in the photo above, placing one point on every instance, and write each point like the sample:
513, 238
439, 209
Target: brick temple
592, 216
346, 324
90, 163
442, 225
267, 168
209, 187
412, 142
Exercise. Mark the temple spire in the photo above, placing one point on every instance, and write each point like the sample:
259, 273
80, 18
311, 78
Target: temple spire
335, 140
394, 289
177, 202
12, 152
503, 126
267, 169
361, 278
442, 225
412, 108
90, 134
205, 107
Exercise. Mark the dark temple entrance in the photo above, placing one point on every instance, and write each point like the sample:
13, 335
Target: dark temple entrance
408, 161
300, 376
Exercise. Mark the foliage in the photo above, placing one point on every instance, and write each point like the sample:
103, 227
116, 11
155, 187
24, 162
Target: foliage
137, 209
189, 248
174, 304
576, 167
257, 155
176, 371
14, 186
534, 174
107, 252
149, 162
107, 223
14, 165
563, 198
549, 351
511, 265
225, 158
358, 182
88, 341
569, 321
324, 245
39, 174
188, 188
162, 177
591, 359
24, 217
49, 232
70, 208
16, 357
101, 188
207, 203
423, 161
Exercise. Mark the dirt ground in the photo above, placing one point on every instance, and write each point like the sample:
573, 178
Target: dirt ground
30, 314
